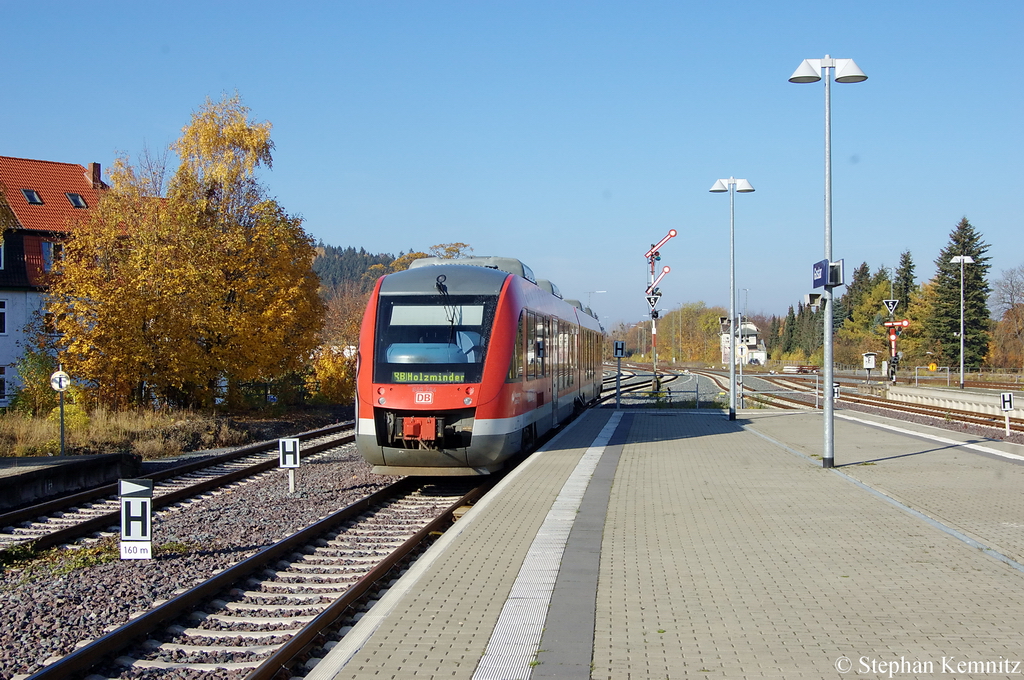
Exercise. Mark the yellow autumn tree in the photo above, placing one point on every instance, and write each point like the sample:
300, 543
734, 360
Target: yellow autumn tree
173, 297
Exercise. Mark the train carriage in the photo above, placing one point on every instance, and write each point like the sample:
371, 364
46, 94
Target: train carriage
462, 364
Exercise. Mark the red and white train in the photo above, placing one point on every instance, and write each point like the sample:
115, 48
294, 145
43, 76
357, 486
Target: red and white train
464, 363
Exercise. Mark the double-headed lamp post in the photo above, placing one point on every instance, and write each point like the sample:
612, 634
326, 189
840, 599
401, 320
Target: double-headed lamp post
846, 71
732, 185
962, 259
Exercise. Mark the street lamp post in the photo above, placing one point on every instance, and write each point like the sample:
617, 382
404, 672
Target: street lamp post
962, 259
846, 71
732, 185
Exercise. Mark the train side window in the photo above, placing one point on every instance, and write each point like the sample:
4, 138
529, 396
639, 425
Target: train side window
515, 370
543, 333
573, 353
555, 355
531, 345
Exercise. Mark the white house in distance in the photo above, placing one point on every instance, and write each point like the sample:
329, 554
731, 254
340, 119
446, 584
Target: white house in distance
750, 349
40, 202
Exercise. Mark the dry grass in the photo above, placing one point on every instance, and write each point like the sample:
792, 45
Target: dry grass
151, 434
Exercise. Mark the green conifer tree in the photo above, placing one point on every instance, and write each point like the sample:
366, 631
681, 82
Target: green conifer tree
943, 325
903, 285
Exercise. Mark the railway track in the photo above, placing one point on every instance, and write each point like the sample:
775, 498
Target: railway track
802, 396
276, 609
633, 382
70, 518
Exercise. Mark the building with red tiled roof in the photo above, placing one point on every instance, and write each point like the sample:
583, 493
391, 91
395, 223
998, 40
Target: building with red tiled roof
40, 202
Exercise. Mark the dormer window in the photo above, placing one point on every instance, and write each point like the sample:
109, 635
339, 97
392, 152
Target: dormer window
77, 200
52, 252
32, 196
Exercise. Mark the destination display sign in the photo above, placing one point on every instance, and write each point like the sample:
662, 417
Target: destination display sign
427, 377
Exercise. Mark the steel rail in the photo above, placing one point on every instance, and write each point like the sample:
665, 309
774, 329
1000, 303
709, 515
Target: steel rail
279, 662
958, 415
22, 514
102, 522
89, 655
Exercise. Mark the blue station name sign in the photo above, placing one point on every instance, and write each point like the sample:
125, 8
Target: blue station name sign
820, 274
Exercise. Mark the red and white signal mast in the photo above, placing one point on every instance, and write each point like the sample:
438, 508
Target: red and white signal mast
895, 328
653, 295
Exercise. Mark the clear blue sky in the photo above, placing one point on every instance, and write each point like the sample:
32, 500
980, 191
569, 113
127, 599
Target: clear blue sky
568, 134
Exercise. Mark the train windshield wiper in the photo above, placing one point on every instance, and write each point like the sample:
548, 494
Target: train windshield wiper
449, 309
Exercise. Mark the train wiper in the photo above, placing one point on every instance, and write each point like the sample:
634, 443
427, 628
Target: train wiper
449, 309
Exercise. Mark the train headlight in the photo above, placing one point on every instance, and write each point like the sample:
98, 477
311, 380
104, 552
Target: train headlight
382, 401
467, 401
470, 390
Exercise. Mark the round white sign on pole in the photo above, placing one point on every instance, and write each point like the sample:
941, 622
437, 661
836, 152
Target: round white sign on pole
60, 381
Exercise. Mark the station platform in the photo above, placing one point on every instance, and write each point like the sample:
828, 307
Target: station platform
26, 481
674, 544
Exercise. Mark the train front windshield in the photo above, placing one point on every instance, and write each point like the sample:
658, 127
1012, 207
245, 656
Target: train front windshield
432, 339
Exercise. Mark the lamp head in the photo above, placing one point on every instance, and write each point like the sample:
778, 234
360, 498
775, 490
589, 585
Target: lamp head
743, 186
809, 71
847, 71
719, 187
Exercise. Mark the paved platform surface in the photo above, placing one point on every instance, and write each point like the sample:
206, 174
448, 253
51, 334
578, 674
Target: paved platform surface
660, 544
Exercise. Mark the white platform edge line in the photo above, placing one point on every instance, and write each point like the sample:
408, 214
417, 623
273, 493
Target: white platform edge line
516, 637
933, 437
334, 663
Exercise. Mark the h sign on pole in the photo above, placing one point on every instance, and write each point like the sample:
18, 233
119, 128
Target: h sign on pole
136, 518
1006, 401
289, 451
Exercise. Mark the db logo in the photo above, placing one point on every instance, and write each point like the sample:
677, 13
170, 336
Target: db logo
424, 397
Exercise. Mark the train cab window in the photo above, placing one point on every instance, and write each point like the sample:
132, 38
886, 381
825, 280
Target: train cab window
430, 339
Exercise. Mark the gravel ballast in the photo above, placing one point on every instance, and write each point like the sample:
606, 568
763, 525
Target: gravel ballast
46, 615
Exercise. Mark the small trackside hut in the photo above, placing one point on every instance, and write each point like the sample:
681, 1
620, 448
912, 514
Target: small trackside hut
464, 363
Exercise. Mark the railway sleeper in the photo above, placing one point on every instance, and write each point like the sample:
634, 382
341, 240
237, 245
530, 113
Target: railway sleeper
334, 568
262, 607
212, 648
263, 595
207, 633
297, 586
342, 549
283, 579
129, 662
326, 558
252, 620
